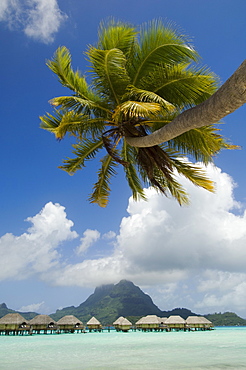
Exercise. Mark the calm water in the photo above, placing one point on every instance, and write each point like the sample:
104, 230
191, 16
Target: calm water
223, 348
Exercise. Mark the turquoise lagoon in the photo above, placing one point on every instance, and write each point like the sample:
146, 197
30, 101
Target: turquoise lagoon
222, 348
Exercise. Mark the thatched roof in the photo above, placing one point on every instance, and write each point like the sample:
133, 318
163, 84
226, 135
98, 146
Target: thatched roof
69, 320
205, 321
149, 319
13, 318
118, 321
122, 321
125, 322
197, 320
93, 321
42, 320
175, 319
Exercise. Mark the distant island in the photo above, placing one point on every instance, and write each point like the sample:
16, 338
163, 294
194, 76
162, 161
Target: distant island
108, 302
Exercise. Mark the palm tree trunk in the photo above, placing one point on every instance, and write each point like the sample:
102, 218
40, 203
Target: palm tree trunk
229, 97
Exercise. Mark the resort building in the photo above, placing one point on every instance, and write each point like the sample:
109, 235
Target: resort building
94, 325
70, 324
148, 323
122, 324
175, 322
198, 323
14, 323
43, 323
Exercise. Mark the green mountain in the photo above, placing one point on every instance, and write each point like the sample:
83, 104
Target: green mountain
4, 310
108, 302
226, 319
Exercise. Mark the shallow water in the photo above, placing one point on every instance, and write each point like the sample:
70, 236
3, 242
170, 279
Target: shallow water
223, 348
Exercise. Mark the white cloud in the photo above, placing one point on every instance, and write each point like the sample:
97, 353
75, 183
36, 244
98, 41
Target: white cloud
222, 291
39, 19
109, 235
34, 307
90, 237
35, 251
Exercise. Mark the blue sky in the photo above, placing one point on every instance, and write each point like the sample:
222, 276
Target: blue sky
56, 247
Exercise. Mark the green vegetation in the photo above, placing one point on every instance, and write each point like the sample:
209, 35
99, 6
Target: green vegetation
226, 319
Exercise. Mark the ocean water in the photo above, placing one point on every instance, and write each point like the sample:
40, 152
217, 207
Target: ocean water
222, 348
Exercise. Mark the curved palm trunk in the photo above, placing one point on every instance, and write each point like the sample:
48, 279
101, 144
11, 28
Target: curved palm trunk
229, 97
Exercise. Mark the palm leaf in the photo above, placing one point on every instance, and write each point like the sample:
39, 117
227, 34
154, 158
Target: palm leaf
73, 123
84, 151
133, 93
50, 122
80, 105
116, 34
180, 85
193, 173
177, 191
160, 44
128, 154
202, 143
61, 66
134, 109
110, 77
101, 188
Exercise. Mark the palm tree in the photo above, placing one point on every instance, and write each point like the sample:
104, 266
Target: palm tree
140, 81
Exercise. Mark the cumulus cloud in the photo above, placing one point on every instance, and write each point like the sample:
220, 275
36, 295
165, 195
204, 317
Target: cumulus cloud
35, 251
159, 235
90, 237
38, 19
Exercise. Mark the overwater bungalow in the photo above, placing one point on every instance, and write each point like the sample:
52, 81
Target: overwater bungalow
70, 324
122, 324
43, 323
148, 323
198, 323
94, 325
14, 323
175, 322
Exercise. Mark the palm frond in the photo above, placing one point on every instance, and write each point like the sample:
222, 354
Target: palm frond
61, 66
174, 188
80, 105
50, 122
76, 124
129, 155
115, 34
194, 174
110, 77
160, 44
182, 86
133, 93
101, 188
166, 185
84, 151
133, 109
202, 143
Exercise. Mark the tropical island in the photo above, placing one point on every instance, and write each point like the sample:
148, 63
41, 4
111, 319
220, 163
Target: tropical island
109, 302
